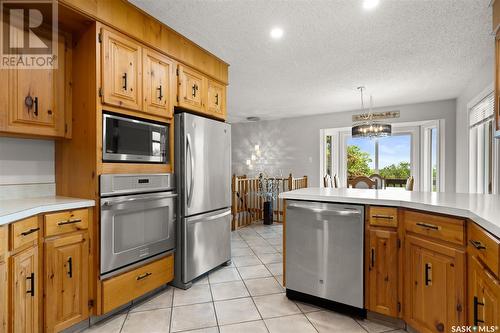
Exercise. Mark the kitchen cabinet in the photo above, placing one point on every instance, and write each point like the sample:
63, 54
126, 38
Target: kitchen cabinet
435, 285
25, 291
4, 291
192, 85
121, 70
216, 99
66, 280
483, 295
159, 83
383, 271
39, 100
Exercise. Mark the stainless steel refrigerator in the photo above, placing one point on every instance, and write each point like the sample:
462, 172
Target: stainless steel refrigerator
203, 172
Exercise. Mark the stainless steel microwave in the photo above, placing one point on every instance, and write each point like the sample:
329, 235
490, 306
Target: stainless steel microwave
127, 139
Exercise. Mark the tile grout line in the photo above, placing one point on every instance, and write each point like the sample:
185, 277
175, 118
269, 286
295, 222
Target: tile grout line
213, 304
171, 310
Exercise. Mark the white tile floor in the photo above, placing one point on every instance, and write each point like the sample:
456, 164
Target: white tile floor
247, 296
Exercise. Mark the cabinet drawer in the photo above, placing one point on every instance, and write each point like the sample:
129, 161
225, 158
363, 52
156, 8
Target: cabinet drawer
68, 221
383, 216
123, 288
3, 241
24, 232
484, 246
435, 226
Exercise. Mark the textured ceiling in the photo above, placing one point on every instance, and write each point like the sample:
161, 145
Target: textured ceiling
403, 51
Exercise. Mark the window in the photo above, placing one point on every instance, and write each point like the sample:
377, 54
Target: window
329, 155
431, 158
481, 146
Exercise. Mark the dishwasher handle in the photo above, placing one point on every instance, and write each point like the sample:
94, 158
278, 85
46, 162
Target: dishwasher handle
340, 212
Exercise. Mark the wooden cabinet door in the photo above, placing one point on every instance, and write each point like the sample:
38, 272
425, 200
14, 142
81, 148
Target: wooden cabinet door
36, 98
383, 272
191, 89
159, 84
4, 309
216, 99
121, 71
435, 286
25, 291
484, 295
66, 281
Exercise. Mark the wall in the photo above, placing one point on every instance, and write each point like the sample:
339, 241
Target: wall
26, 168
481, 82
292, 144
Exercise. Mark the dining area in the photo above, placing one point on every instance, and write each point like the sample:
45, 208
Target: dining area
374, 181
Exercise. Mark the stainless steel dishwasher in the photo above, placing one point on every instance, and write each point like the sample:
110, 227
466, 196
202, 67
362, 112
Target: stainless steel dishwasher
324, 254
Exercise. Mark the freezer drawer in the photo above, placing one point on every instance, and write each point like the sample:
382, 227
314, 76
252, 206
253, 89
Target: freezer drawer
207, 243
324, 254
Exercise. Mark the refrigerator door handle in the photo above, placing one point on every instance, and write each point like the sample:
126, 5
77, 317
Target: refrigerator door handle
191, 184
210, 218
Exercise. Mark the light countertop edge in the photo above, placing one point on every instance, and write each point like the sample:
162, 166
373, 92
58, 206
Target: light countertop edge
481, 208
12, 210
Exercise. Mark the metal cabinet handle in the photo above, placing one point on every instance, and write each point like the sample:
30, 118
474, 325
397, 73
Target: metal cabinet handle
69, 222
477, 244
194, 89
372, 258
70, 267
476, 311
428, 270
36, 106
428, 226
216, 99
25, 233
161, 94
32, 281
388, 217
143, 276
124, 77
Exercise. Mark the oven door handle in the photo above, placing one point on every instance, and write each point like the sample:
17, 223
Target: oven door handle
191, 184
111, 203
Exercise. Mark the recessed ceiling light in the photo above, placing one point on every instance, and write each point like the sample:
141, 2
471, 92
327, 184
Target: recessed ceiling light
276, 33
370, 4
251, 118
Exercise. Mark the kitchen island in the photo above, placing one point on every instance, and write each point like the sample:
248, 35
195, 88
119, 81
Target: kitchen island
430, 259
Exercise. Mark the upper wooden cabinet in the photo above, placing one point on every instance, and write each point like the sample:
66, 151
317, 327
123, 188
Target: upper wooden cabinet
383, 271
121, 70
192, 87
216, 99
38, 101
435, 285
66, 281
159, 83
25, 292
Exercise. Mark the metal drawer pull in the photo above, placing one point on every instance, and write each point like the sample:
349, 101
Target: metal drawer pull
428, 226
476, 304
69, 221
32, 280
477, 244
25, 233
372, 258
70, 267
428, 272
383, 217
124, 77
143, 276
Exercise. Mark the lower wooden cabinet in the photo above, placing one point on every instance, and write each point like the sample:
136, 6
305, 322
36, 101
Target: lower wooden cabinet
435, 285
484, 295
66, 281
383, 272
3, 296
25, 292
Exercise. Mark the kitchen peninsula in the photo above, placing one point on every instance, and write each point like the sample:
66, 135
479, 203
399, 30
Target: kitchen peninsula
429, 259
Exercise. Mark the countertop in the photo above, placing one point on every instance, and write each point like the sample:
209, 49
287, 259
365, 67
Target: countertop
16, 209
484, 209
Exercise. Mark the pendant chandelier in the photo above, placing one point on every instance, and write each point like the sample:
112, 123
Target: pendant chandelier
367, 127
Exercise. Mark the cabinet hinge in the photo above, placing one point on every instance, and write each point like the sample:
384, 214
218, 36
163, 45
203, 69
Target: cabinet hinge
91, 303
100, 92
399, 243
99, 37
399, 306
